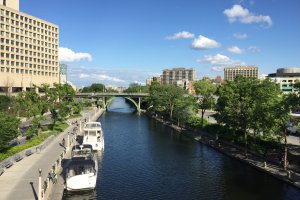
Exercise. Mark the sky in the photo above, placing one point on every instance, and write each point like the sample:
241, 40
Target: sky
118, 42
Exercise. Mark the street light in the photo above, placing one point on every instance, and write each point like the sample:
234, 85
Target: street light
40, 184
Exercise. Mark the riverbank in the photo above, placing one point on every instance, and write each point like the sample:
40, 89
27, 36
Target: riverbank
236, 152
20, 181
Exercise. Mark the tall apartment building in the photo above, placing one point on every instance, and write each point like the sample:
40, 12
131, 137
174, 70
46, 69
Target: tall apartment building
28, 49
172, 76
247, 71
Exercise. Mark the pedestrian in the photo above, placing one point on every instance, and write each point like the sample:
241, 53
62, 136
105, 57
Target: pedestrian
63, 142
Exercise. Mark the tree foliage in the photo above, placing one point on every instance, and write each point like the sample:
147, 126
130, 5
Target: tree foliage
205, 91
8, 130
248, 105
164, 97
136, 88
95, 87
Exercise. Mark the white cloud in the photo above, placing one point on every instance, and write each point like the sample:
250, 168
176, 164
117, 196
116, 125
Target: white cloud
254, 49
219, 61
204, 43
240, 36
181, 35
81, 76
238, 13
68, 55
235, 49
100, 77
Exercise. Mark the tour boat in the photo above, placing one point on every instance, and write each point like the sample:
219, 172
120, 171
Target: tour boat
81, 173
93, 135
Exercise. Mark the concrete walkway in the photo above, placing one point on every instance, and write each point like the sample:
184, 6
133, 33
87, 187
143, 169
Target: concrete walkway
20, 181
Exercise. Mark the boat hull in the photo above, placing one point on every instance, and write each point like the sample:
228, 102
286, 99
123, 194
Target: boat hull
81, 182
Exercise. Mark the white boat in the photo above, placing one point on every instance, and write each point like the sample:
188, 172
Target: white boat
93, 135
81, 173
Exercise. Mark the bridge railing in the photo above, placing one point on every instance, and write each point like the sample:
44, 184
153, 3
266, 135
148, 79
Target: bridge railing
112, 94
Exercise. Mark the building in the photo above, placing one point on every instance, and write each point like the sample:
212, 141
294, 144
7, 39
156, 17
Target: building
153, 79
156, 79
247, 71
29, 49
172, 76
63, 73
286, 77
149, 81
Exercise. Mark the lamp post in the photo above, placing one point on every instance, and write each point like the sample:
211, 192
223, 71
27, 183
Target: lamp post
68, 145
80, 126
40, 184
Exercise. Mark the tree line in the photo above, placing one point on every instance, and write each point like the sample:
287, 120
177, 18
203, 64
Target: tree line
248, 111
57, 100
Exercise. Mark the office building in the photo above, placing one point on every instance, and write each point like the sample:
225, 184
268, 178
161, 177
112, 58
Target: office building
29, 50
172, 76
285, 78
247, 71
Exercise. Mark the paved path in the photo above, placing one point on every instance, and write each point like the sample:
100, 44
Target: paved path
20, 181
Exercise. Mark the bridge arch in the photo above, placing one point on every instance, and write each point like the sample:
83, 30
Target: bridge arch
137, 104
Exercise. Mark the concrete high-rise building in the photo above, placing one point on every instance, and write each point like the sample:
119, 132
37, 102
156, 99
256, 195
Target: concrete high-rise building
28, 49
172, 76
286, 77
247, 71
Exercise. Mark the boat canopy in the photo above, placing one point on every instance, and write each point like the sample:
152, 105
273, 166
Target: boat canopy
81, 163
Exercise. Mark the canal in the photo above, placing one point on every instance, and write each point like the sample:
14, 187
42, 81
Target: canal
146, 160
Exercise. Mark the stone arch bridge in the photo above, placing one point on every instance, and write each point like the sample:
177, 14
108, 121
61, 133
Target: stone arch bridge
106, 98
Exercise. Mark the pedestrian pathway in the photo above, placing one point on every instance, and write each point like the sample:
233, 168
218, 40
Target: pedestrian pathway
20, 181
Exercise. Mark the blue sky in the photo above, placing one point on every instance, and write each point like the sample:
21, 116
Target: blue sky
117, 42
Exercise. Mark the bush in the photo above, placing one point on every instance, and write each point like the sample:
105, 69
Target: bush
59, 127
196, 122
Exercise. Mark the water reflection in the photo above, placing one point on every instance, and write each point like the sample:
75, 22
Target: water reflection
119, 105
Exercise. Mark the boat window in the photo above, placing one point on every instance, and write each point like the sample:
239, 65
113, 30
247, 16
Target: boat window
92, 133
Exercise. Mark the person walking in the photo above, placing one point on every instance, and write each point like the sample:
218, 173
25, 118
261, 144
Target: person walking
63, 142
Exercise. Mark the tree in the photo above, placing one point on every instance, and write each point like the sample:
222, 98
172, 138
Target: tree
95, 87
184, 109
205, 91
235, 105
5, 102
164, 97
136, 88
8, 130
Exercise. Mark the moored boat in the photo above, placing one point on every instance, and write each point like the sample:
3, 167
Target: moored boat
81, 173
93, 135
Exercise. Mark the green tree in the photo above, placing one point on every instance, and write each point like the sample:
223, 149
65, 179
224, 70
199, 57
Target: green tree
95, 87
205, 91
136, 88
184, 109
235, 105
5, 102
8, 130
164, 97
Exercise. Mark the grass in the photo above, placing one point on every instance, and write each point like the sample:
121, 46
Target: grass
75, 116
59, 127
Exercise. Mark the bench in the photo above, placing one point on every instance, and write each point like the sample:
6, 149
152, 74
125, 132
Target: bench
18, 157
8, 163
28, 152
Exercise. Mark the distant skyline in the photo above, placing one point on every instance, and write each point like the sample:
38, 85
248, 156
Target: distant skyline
120, 42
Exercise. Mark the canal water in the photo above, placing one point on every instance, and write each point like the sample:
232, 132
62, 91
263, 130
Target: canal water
146, 160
